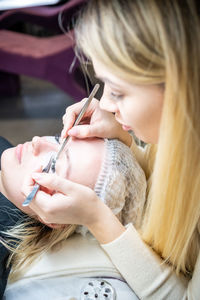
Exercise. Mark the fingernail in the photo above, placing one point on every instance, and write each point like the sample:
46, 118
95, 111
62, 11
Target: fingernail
36, 176
73, 131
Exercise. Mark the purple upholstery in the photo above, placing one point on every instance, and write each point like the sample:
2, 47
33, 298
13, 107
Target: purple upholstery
45, 16
9, 84
48, 58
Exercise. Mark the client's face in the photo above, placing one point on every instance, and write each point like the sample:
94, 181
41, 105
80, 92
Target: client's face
79, 162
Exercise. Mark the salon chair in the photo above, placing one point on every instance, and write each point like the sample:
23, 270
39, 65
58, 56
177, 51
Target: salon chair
48, 58
45, 16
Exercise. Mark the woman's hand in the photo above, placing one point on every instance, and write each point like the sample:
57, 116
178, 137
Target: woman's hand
64, 203
96, 123
72, 203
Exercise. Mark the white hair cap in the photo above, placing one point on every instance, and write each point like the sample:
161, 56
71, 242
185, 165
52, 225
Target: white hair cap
121, 183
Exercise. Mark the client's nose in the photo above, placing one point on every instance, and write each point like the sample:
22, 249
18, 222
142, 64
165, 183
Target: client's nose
41, 145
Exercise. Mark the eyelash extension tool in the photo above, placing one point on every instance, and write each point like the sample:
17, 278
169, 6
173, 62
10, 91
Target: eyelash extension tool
79, 117
52, 161
36, 186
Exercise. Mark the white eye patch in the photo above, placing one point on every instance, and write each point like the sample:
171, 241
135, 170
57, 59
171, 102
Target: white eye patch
51, 139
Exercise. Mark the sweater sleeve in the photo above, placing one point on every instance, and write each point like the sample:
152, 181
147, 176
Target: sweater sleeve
145, 271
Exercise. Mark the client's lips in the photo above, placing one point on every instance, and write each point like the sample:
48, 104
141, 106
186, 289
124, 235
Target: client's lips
18, 152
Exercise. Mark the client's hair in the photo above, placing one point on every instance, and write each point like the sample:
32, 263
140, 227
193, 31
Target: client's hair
121, 184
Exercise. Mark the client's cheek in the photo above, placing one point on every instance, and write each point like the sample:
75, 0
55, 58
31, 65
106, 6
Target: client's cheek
26, 209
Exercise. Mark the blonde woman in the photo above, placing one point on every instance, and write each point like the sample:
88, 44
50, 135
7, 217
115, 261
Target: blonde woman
147, 54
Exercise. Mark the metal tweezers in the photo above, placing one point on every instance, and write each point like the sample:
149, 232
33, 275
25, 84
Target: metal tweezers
52, 160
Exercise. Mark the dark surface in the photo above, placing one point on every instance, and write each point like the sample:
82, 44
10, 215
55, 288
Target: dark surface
37, 99
37, 110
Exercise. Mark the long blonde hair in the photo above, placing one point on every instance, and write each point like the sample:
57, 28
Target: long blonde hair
152, 42
28, 239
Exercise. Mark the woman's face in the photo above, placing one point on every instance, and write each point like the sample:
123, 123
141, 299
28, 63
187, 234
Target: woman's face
136, 107
79, 162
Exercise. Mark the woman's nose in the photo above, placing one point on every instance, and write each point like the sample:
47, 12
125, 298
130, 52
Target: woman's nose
41, 145
108, 104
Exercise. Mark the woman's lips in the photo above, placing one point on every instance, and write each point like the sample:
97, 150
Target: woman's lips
126, 128
18, 152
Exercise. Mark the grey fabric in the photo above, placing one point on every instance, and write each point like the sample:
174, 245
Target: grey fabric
61, 288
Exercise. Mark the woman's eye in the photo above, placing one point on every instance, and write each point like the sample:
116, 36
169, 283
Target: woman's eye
116, 96
57, 138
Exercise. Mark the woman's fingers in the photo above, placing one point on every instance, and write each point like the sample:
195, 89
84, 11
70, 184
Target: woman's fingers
69, 203
68, 122
85, 131
53, 225
70, 115
54, 182
96, 123
98, 127
73, 111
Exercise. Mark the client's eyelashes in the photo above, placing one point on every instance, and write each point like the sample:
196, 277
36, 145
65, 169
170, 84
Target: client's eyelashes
57, 138
53, 166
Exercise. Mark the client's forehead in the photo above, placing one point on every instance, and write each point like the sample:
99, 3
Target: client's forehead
85, 158
89, 142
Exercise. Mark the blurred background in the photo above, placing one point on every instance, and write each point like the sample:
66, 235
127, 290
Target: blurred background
37, 110
39, 74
